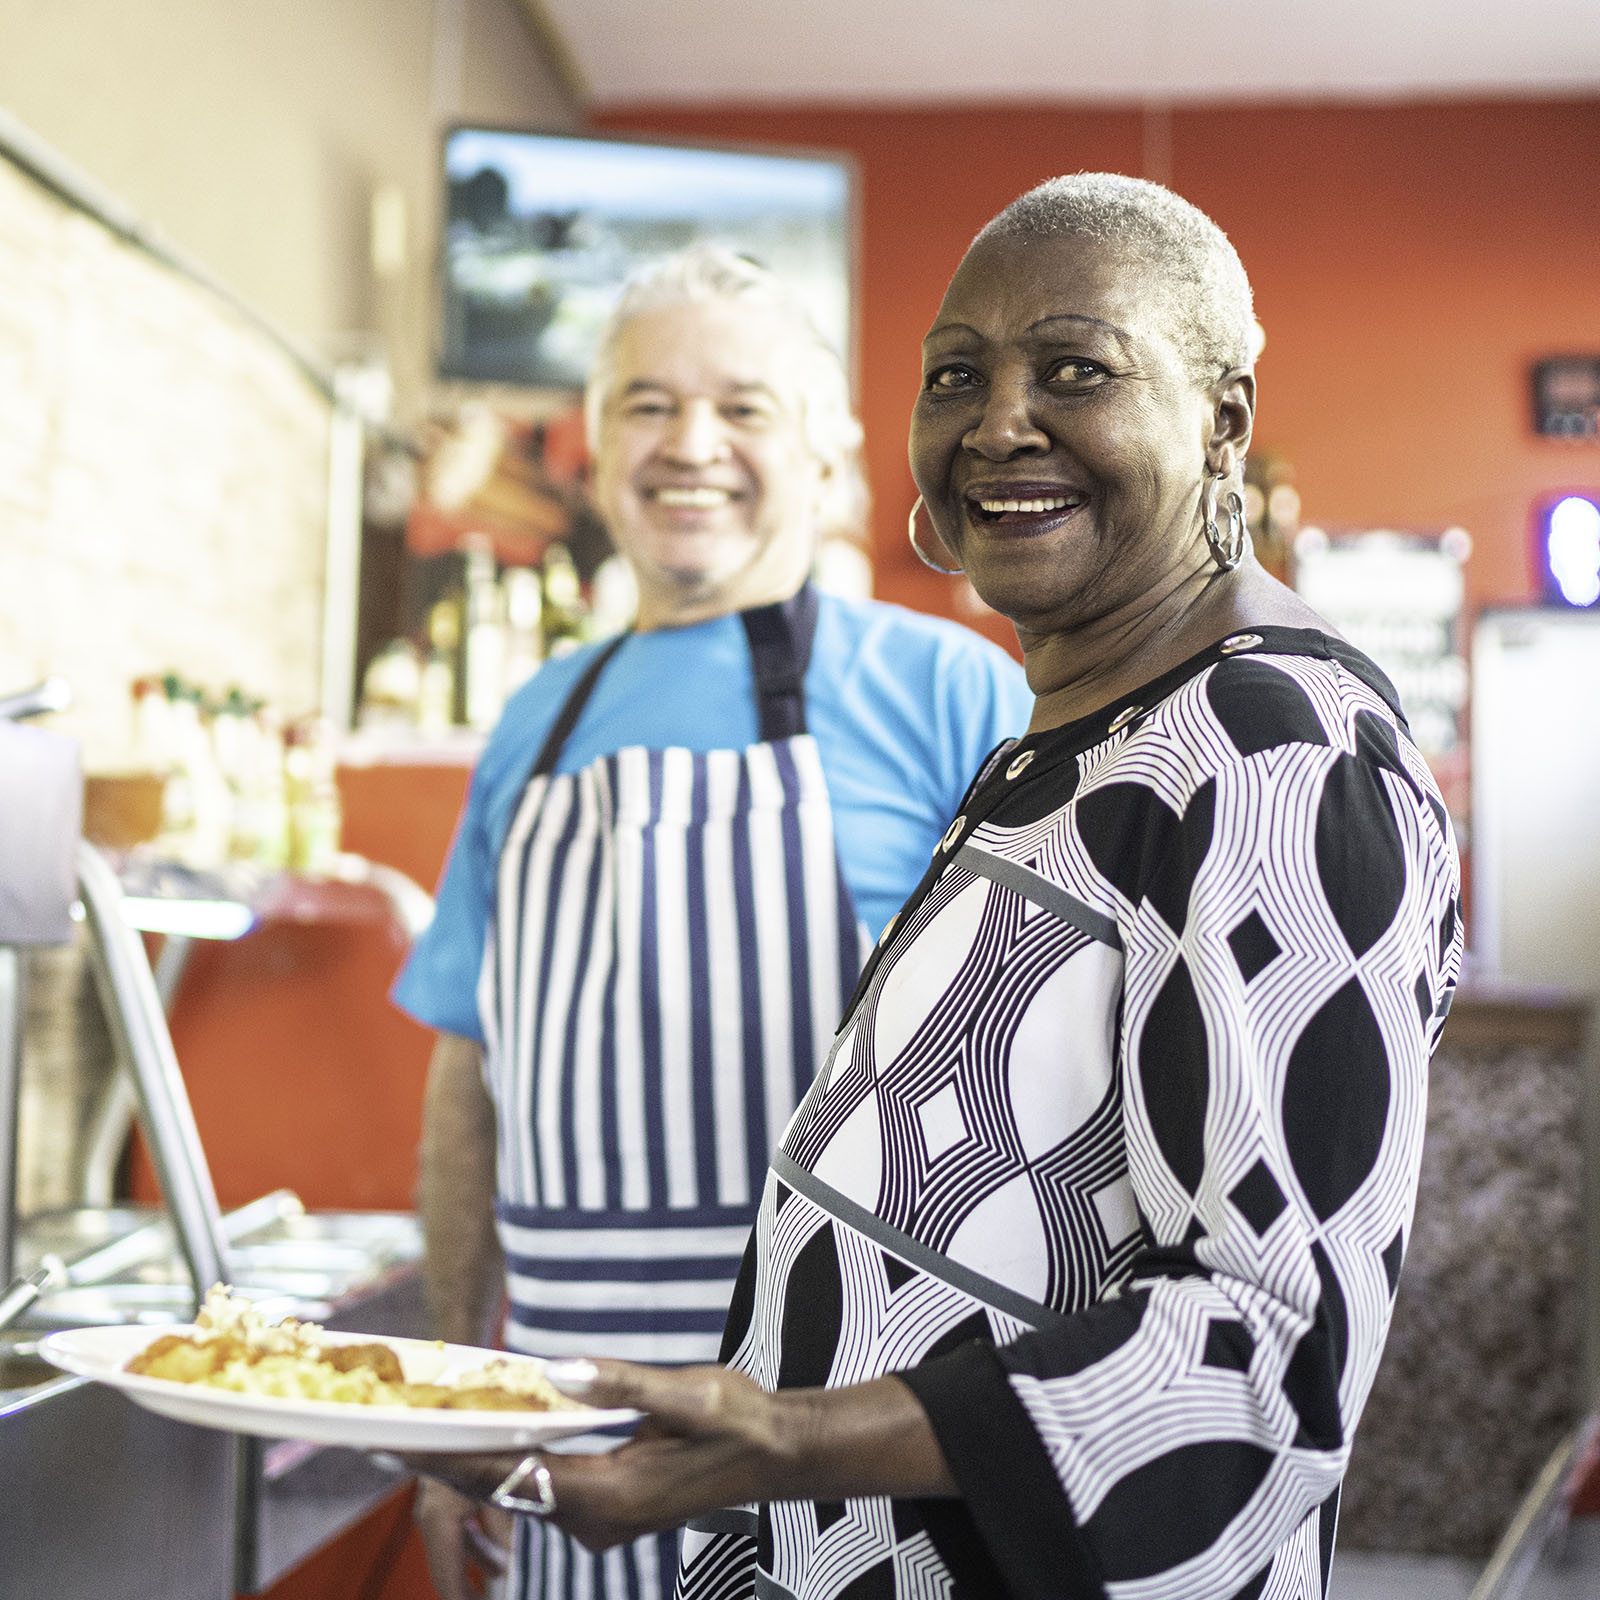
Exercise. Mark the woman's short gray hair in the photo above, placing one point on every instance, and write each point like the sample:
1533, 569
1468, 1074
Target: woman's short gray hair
1208, 293
709, 274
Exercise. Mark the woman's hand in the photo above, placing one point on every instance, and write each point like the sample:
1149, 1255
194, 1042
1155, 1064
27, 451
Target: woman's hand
712, 1438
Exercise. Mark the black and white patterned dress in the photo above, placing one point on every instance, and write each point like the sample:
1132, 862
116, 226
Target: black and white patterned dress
1115, 1154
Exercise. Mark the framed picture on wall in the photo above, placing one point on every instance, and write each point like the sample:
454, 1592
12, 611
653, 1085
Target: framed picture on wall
1566, 397
542, 231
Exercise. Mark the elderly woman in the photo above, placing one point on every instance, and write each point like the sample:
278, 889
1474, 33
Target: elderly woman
671, 848
1073, 1269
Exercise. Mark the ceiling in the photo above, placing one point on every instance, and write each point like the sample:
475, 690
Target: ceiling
1072, 51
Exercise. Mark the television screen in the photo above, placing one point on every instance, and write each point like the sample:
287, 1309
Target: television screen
543, 230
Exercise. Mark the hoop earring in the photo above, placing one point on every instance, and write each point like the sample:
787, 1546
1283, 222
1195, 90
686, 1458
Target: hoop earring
1227, 552
922, 555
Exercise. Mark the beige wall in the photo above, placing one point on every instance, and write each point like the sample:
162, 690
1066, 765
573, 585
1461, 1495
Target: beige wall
163, 461
163, 479
252, 135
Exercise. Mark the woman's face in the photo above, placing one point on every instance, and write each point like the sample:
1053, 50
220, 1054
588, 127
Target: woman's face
702, 471
1059, 439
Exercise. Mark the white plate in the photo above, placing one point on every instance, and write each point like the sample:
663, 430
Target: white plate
103, 1354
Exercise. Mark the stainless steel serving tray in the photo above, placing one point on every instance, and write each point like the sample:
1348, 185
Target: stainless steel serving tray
125, 1265
273, 1504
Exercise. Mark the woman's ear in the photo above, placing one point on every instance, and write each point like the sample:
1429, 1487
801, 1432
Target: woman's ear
1233, 416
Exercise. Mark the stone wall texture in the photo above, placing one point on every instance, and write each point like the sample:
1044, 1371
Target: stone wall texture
163, 479
1482, 1375
68, 1059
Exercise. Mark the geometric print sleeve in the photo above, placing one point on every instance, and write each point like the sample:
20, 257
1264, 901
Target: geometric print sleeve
1114, 1157
1290, 936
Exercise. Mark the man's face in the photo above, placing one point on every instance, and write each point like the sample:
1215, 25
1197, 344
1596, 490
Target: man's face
703, 471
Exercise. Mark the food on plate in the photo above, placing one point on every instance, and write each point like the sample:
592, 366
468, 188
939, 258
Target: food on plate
232, 1346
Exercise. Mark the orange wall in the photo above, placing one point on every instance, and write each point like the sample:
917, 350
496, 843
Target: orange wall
1410, 261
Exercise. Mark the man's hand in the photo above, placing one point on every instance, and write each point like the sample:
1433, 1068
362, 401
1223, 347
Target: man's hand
459, 1535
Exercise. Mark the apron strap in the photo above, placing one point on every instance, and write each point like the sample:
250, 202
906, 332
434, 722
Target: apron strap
780, 638
567, 717
780, 651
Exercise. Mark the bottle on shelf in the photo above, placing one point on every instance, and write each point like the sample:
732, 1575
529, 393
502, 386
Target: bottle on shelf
485, 649
565, 616
213, 809
152, 727
391, 688
266, 801
436, 690
524, 626
222, 794
195, 816
316, 816
177, 796
232, 748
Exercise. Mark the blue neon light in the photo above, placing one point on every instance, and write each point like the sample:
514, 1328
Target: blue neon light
1572, 549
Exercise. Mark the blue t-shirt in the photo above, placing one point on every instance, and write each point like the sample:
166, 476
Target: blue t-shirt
903, 708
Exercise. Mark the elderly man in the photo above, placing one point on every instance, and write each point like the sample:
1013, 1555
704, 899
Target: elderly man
677, 847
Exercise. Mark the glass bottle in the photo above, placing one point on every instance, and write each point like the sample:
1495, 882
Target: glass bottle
565, 617
485, 652
436, 693
524, 637
316, 816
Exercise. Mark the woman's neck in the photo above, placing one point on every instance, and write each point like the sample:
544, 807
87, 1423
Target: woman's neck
1076, 671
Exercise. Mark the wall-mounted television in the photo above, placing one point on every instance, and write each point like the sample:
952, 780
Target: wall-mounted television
543, 229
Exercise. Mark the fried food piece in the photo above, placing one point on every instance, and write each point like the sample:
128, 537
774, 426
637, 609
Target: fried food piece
487, 1399
377, 1358
422, 1394
181, 1360
522, 1381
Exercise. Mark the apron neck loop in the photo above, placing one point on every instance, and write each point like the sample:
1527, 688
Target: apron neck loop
780, 638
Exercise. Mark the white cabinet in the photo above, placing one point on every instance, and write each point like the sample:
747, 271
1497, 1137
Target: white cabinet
1535, 840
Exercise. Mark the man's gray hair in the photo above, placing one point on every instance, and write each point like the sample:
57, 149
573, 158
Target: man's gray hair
711, 274
1213, 319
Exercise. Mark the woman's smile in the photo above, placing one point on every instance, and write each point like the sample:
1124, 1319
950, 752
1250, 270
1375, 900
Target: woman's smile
1021, 508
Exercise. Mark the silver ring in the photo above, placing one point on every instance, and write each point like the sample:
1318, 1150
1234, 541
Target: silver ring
508, 1499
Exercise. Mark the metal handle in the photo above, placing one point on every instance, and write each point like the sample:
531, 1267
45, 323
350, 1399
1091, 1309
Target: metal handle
1544, 1511
139, 1026
13, 1004
26, 1290
54, 694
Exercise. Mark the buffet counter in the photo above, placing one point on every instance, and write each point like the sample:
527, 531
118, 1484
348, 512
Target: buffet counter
101, 1497
118, 1501
104, 1499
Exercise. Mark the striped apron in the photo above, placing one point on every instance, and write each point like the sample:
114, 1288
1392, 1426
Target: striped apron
672, 944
